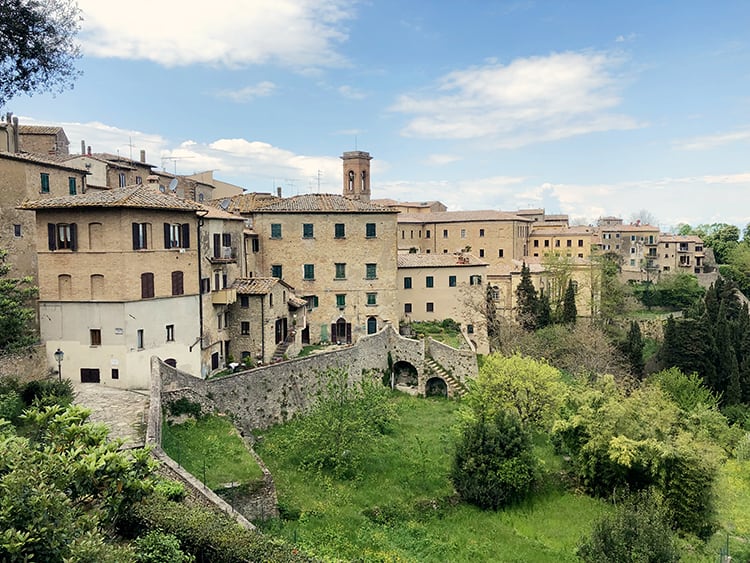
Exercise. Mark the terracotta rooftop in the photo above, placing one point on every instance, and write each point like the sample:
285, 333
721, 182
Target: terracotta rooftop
257, 286
629, 228
563, 231
39, 130
681, 238
140, 196
386, 202
47, 159
216, 213
245, 203
322, 203
461, 216
414, 260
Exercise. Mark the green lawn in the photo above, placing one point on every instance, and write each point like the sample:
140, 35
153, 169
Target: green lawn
402, 509
211, 450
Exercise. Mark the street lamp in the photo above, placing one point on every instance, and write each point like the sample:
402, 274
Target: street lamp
59, 355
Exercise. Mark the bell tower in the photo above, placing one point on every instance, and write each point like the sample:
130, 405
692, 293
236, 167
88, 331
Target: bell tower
357, 175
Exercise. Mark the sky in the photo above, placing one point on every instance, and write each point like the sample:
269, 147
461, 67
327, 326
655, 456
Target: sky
589, 108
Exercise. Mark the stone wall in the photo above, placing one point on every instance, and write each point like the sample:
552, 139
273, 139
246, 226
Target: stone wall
29, 365
462, 364
267, 395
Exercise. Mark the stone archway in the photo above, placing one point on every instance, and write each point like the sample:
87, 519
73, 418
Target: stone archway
436, 387
405, 374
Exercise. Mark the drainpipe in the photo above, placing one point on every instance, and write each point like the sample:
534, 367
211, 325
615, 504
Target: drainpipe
263, 330
201, 214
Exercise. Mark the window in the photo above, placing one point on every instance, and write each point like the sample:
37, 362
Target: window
481, 252
451, 281
500, 253
312, 301
445, 233
245, 327
72, 189
139, 181
569, 243
372, 298
371, 271
176, 235
275, 230
95, 336
139, 339
340, 300
177, 287
632, 250
429, 281
205, 285
481, 232
339, 230
147, 285
470, 329
427, 234
340, 271
370, 231
255, 244
580, 243
140, 236
201, 197
276, 271
407, 283
308, 231
220, 321
557, 243
115, 373
62, 236
632, 238
536, 243
475, 280
16, 230
430, 307
632, 262
463, 233
123, 180
226, 239
546, 243
170, 333
308, 271
407, 308
44, 178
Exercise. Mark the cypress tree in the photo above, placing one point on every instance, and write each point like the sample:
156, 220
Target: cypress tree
544, 314
527, 300
569, 312
634, 350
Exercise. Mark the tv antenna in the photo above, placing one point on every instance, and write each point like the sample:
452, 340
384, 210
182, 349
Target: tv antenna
174, 159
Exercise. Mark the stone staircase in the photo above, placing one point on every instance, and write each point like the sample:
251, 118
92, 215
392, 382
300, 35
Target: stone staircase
456, 388
278, 354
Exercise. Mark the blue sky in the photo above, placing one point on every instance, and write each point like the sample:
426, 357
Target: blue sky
588, 108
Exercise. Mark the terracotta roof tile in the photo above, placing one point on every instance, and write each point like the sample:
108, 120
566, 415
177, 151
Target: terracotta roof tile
461, 216
322, 203
47, 159
140, 196
244, 203
257, 286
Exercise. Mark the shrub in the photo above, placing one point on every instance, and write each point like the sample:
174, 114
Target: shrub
171, 490
48, 392
11, 406
494, 466
184, 406
158, 547
638, 532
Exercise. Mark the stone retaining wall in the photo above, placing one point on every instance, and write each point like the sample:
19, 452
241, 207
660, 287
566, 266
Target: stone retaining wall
28, 365
460, 363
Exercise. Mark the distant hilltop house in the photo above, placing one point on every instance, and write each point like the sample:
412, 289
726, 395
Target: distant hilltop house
133, 262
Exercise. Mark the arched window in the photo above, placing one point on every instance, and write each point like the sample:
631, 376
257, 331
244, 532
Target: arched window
97, 287
64, 286
372, 325
351, 180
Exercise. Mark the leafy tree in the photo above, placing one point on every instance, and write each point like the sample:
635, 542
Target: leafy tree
527, 300
644, 217
686, 390
16, 314
611, 293
638, 531
494, 465
532, 389
558, 270
335, 434
38, 50
569, 312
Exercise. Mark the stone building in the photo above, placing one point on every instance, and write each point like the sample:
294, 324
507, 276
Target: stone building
571, 242
118, 283
43, 139
25, 176
434, 287
109, 171
678, 254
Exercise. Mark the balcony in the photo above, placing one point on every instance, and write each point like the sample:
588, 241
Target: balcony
223, 255
225, 296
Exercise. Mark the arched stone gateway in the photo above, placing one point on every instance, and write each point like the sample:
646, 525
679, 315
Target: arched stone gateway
436, 387
404, 373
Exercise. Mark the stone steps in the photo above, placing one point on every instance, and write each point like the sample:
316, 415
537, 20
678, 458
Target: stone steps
457, 388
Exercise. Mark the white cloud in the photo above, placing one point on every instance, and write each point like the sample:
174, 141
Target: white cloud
351, 93
248, 93
529, 100
712, 141
229, 33
441, 159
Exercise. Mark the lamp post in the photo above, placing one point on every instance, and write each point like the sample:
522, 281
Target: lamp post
59, 355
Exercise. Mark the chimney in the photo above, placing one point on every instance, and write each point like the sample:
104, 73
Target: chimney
278, 191
15, 135
83, 147
143, 156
